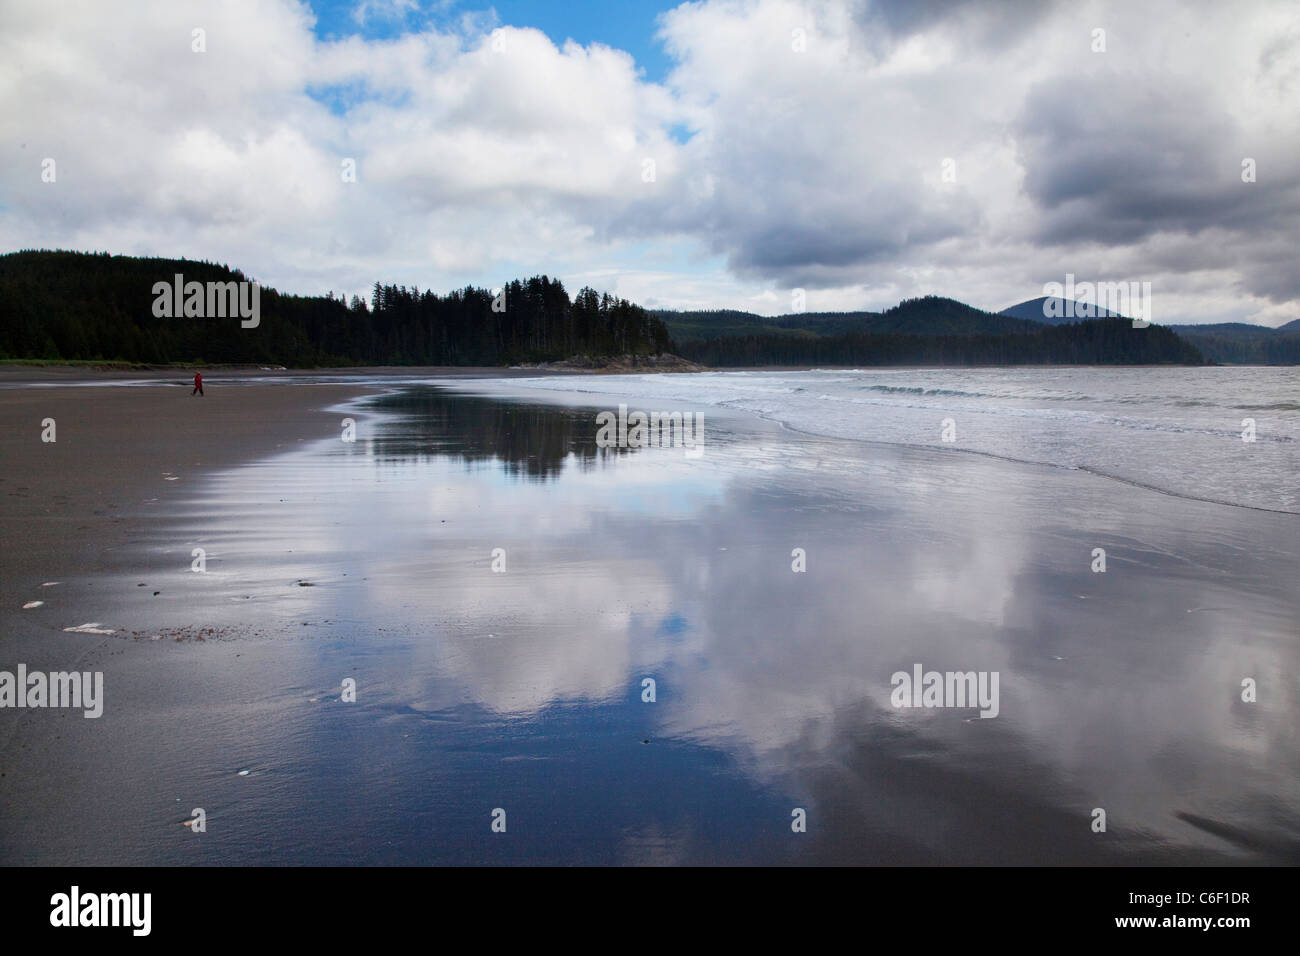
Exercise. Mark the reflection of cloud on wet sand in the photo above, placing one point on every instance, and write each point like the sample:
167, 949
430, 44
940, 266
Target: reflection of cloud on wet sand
524, 641
649, 565
1089, 713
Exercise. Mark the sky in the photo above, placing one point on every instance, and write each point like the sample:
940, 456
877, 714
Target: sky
746, 154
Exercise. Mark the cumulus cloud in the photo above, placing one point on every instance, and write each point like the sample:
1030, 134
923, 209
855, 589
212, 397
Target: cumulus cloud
827, 162
865, 151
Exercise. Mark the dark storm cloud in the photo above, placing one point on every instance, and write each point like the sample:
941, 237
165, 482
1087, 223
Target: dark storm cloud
1110, 159
985, 24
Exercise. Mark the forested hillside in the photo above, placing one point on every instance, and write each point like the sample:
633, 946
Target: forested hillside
1239, 343
929, 315
1091, 342
98, 307
70, 305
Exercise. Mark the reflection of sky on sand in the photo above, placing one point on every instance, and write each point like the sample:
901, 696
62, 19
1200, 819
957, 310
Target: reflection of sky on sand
1117, 690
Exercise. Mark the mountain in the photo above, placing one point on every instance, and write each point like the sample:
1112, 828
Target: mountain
97, 307
935, 315
1090, 342
1233, 331
931, 315
1228, 343
712, 324
1036, 310
1239, 343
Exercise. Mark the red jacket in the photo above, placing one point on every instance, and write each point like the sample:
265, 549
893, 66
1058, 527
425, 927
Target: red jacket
198, 379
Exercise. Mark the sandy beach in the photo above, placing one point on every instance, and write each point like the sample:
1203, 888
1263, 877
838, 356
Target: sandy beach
71, 500
499, 589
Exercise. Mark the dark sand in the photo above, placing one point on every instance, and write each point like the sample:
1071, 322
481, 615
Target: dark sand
64, 504
70, 501
522, 690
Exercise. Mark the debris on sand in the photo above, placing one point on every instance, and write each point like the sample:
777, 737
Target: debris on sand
91, 628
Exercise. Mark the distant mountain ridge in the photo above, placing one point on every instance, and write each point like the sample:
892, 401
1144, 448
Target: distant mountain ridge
929, 315
1237, 331
932, 330
92, 306
936, 316
1066, 311
1228, 343
1240, 343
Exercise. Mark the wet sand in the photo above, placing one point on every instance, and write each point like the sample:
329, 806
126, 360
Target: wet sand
72, 500
523, 688
65, 503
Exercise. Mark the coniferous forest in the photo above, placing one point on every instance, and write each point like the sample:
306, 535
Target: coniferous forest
1090, 342
93, 306
72, 306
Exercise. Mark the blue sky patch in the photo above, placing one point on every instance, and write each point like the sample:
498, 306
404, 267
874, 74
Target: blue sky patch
628, 25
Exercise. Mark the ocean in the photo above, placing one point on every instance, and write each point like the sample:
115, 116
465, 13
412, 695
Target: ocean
1178, 430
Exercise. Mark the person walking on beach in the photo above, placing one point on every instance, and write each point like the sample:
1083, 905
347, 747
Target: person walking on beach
198, 384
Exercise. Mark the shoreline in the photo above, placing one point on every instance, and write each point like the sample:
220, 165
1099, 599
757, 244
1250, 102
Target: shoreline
477, 687
72, 500
596, 398
48, 375
52, 373
132, 460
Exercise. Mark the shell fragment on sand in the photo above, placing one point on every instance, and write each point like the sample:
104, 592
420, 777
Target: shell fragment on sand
91, 628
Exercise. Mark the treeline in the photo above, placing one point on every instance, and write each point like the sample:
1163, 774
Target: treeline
98, 307
1277, 348
526, 321
927, 315
1091, 342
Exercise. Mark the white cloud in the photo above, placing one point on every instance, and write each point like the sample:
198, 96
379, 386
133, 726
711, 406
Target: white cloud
486, 150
